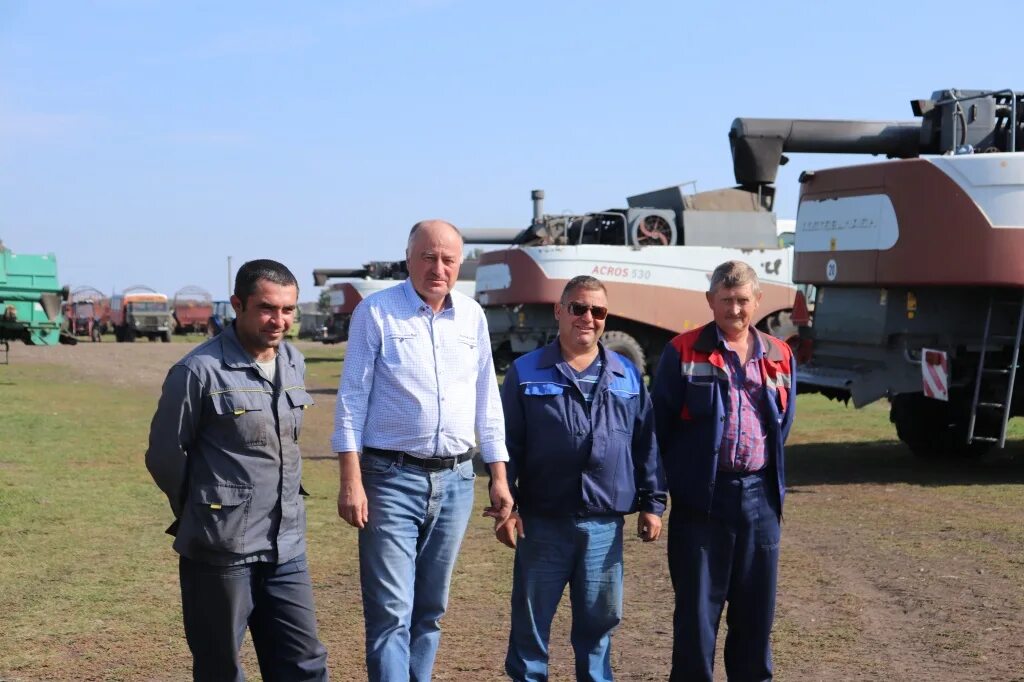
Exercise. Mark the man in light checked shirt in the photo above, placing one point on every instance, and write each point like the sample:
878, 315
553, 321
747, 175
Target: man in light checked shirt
417, 393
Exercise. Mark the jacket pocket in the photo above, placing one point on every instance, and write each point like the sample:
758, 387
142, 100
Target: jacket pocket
244, 413
700, 397
220, 514
299, 401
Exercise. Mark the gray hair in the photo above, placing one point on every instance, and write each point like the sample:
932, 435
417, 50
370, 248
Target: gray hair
585, 282
423, 223
732, 274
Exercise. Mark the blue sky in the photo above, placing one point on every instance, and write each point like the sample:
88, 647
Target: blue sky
145, 142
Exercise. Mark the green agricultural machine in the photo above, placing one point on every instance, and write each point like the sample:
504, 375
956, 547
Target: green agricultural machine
30, 301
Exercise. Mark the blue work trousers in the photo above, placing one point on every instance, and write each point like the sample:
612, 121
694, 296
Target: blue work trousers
407, 553
274, 600
586, 554
731, 556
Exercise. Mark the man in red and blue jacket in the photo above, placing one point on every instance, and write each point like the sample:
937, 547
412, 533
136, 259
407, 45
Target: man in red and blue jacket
724, 403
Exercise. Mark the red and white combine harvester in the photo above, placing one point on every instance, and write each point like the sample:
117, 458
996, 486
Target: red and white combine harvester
655, 257
349, 286
918, 262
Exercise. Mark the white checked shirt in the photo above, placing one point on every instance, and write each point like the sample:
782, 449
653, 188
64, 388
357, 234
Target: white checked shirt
418, 381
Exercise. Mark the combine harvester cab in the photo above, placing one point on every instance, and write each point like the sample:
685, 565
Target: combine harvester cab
916, 261
30, 301
655, 258
352, 285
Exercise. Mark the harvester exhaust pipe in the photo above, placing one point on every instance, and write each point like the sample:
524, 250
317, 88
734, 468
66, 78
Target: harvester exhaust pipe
537, 196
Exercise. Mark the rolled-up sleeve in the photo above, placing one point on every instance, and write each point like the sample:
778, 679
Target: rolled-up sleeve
356, 383
172, 432
490, 421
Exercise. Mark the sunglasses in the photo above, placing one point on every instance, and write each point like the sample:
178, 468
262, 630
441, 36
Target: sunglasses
579, 310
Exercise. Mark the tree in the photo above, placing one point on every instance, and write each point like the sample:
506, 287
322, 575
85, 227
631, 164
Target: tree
323, 305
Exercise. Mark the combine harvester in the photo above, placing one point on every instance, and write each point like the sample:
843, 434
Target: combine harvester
917, 262
355, 284
655, 258
30, 301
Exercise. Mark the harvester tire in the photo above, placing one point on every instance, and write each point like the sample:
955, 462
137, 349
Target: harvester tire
624, 344
934, 429
779, 324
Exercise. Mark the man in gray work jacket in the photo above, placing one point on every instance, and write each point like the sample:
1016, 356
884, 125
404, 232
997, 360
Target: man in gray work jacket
224, 448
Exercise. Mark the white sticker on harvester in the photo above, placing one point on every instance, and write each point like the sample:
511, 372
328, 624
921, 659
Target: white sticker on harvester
831, 269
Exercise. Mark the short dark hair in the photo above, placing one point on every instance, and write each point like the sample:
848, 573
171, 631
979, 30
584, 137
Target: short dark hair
252, 272
585, 282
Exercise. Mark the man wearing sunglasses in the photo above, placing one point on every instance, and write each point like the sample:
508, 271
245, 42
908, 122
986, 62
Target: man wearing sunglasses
582, 454
724, 397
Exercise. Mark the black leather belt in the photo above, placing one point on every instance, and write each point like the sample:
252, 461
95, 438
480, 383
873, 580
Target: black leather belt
425, 463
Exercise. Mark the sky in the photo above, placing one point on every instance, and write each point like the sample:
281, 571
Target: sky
149, 142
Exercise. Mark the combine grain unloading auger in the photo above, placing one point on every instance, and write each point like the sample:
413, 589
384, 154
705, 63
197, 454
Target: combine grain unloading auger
917, 262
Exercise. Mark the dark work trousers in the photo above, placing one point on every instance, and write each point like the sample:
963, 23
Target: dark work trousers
274, 600
731, 556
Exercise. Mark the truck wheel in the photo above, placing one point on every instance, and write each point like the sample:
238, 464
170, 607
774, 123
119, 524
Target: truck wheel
166, 337
624, 344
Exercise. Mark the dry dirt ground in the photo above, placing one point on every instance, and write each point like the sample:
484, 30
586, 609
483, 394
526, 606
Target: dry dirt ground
891, 569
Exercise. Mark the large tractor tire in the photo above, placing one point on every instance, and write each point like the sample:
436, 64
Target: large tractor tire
624, 344
934, 429
779, 324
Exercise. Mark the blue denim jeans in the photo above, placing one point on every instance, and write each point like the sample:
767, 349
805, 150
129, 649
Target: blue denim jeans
407, 553
731, 556
586, 554
274, 600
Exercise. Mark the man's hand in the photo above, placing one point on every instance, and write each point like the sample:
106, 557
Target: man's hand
508, 533
648, 526
351, 497
501, 497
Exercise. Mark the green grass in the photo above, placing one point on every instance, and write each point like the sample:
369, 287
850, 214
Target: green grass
89, 589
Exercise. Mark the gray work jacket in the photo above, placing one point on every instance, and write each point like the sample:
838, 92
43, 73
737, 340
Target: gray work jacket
224, 448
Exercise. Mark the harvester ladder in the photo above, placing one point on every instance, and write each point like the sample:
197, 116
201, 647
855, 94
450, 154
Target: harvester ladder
994, 373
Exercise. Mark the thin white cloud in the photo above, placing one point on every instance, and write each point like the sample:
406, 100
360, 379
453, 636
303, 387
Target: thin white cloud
364, 13
42, 126
245, 42
213, 138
